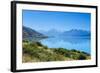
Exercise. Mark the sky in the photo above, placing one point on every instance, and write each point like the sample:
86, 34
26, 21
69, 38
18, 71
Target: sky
60, 21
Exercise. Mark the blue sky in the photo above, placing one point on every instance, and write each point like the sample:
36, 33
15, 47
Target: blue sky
61, 21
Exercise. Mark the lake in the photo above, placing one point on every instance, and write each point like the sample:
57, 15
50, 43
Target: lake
80, 43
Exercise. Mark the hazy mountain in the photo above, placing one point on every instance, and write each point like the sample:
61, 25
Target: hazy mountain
51, 33
75, 32
32, 35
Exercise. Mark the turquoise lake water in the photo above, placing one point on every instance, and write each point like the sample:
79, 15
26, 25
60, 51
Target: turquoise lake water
78, 43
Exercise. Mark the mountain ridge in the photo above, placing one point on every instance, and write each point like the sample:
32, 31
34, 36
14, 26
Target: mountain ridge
72, 32
31, 34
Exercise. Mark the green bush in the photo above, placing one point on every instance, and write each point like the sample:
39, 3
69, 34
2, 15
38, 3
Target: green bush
39, 44
45, 47
82, 57
25, 41
37, 52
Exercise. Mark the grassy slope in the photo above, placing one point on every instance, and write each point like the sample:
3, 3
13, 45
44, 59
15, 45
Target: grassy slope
36, 52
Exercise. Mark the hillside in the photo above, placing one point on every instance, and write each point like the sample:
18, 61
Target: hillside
32, 35
36, 52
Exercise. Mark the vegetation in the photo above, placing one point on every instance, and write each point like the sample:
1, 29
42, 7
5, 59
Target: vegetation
36, 52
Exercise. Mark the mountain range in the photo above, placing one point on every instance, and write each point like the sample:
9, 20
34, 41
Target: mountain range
73, 32
33, 35
51, 32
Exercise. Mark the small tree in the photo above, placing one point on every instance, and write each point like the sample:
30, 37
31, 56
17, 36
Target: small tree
82, 57
39, 44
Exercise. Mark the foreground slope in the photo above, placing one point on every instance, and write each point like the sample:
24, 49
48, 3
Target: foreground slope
36, 52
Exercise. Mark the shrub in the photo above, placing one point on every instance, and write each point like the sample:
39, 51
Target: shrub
60, 51
45, 47
39, 53
39, 44
73, 50
82, 57
25, 41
